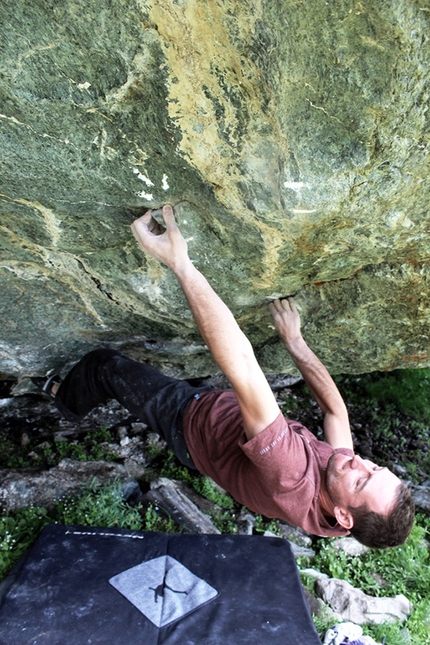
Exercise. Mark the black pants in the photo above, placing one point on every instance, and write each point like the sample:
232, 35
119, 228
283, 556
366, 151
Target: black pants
158, 400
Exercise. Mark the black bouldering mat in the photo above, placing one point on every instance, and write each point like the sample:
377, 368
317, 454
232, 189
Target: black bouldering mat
84, 585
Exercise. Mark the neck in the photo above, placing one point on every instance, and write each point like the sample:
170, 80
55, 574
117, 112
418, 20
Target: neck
326, 505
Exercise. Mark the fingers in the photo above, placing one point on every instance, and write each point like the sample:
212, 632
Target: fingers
283, 305
144, 221
146, 224
169, 217
292, 304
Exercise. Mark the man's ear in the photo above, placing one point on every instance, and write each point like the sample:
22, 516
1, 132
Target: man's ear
343, 517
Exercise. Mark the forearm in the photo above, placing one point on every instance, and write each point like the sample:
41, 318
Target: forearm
229, 346
215, 322
316, 376
325, 392
231, 350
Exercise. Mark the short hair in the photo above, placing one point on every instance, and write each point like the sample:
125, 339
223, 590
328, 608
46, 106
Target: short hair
382, 531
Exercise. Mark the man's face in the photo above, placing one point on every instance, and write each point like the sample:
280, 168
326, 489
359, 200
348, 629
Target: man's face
353, 482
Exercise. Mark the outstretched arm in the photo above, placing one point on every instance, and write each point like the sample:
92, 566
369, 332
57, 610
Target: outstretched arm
336, 423
229, 346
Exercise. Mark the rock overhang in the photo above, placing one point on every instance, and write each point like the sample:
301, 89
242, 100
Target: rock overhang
292, 139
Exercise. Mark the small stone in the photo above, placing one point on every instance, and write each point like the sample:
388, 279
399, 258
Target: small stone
121, 432
314, 573
172, 500
295, 534
421, 497
350, 546
139, 427
298, 551
43, 445
270, 534
135, 469
59, 437
245, 523
131, 492
301, 551
344, 632
400, 471
379, 580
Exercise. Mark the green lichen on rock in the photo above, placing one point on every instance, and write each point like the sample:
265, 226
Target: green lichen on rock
292, 137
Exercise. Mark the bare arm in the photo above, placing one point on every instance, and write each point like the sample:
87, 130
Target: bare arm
336, 423
229, 346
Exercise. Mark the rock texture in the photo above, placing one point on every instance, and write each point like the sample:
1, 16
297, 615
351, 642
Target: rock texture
34, 487
356, 606
291, 136
173, 500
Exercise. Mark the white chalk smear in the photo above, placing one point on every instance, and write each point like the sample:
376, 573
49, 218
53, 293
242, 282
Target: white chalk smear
294, 185
300, 211
142, 177
144, 195
165, 184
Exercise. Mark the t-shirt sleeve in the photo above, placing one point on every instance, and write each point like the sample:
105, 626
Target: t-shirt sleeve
280, 455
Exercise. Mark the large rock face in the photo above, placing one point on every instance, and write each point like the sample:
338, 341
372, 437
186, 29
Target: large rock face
292, 136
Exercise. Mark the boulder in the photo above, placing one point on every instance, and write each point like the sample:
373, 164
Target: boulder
23, 487
356, 606
172, 497
421, 496
292, 138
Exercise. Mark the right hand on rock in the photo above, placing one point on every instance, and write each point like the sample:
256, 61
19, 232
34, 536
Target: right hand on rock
166, 245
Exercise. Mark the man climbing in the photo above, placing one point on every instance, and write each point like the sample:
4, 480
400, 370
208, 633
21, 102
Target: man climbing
240, 438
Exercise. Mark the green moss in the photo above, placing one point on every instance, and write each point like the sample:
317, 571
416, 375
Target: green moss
406, 389
92, 447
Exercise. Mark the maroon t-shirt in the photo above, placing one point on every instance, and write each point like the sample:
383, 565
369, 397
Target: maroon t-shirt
277, 473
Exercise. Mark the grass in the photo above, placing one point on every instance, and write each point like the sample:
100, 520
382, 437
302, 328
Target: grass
96, 506
404, 569
395, 410
262, 525
406, 390
94, 446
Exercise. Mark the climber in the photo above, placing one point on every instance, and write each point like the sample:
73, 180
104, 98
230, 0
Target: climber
240, 438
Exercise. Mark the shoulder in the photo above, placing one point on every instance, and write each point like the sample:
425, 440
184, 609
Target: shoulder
276, 438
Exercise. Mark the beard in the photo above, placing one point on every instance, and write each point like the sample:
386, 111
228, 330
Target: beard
333, 476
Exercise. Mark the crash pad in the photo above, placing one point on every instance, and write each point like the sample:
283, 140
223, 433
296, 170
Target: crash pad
109, 586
